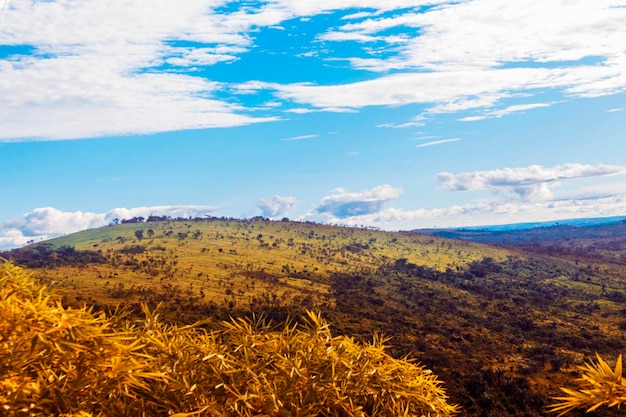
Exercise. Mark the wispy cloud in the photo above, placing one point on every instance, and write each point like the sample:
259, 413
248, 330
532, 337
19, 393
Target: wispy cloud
303, 137
437, 142
358, 15
277, 205
413, 123
462, 92
614, 110
517, 108
526, 183
48, 222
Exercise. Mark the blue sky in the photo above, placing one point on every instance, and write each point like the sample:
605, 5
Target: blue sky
400, 114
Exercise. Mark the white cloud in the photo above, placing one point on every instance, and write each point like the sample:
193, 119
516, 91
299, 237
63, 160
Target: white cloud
48, 222
98, 66
203, 56
478, 214
292, 8
360, 37
358, 15
454, 91
4, 4
301, 111
277, 205
93, 72
302, 137
416, 122
344, 204
488, 33
472, 54
437, 142
614, 110
506, 111
472, 118
526, 183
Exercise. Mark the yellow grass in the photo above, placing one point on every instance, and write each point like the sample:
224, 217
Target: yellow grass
233, 261
72, 362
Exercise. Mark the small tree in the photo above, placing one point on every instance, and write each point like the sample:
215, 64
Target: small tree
139, 234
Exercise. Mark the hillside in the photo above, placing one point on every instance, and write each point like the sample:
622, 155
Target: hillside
502, 327
605, 240
237, 262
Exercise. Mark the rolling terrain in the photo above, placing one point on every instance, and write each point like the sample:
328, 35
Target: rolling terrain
502, 326
604, 240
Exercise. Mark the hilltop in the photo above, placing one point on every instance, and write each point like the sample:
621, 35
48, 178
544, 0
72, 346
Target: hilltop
502, 326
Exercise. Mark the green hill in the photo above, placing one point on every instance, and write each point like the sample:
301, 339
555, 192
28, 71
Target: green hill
503, 327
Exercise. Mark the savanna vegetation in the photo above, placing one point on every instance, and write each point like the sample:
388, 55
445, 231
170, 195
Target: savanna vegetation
503, 327
73, 362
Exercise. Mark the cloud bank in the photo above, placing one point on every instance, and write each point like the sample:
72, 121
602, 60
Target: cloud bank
530, 186
47, 222
94, 68
491, 213
528, 183
501, 212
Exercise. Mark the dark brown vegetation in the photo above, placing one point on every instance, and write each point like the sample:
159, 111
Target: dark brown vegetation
606, 241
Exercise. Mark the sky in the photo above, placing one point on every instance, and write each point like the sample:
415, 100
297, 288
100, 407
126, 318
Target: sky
397, 114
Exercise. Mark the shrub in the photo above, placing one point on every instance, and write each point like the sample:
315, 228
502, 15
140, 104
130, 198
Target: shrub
599, 386
60, 361
55, 360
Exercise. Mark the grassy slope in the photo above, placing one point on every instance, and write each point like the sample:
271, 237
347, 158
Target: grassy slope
247, 258
498, 331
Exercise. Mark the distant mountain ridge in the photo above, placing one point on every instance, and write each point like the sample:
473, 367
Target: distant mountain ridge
591, 234
592, 221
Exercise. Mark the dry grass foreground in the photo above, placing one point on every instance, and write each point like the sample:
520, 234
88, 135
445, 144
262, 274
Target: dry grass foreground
60, 361
599, 386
